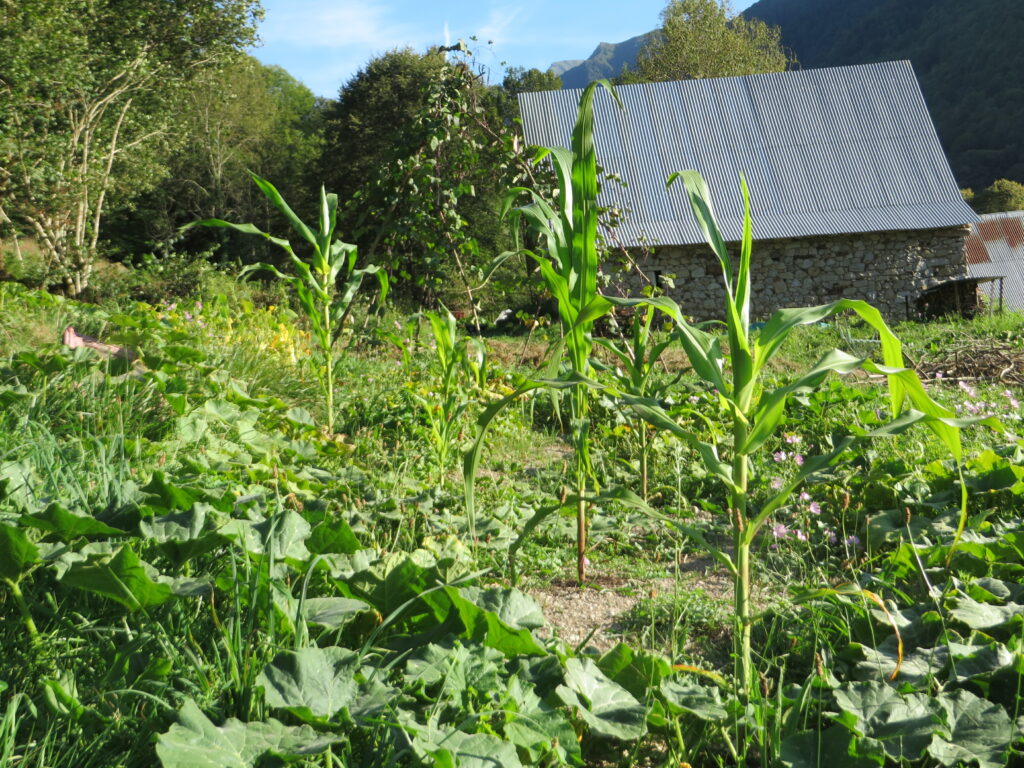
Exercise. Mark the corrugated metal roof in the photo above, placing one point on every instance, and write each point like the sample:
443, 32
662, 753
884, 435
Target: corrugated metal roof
996, 248
824, 151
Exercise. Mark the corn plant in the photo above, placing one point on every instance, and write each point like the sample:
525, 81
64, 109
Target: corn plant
315, 282
637, 360
755, 414
461, 368
569, 268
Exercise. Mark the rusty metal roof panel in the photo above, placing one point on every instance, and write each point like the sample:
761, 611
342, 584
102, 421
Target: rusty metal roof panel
1001, 236
824, 151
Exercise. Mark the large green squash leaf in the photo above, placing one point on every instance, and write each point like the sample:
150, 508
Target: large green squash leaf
537, 728
121, 576
829, 748
696, 700
311, 683
456, 749
195, 742
486, 625
985, 616
903, 724
66, 524
17, 552
608, 708
978, 732
332, 612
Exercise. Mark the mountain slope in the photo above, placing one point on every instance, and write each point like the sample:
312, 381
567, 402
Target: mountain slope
967, 55
607, 60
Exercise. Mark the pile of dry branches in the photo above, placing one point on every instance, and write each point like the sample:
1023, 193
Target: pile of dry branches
989, 361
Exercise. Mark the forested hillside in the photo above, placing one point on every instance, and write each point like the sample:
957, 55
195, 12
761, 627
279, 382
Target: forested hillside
966, 54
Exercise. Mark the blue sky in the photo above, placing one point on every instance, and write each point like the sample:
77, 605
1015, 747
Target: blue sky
324, 42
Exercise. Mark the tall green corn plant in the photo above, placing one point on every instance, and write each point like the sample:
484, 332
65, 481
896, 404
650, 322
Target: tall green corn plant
755, 413
316, 282
569, 268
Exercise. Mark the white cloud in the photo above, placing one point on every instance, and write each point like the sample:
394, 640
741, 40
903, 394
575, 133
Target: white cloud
323, 23
499, 21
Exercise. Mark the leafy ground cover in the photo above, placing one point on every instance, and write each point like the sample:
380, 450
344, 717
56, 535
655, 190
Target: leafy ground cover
196, 572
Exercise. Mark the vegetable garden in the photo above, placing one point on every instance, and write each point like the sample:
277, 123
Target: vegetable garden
310, 536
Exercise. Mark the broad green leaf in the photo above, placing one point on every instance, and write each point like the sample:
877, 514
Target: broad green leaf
168, 495
184, 535
456, 749
977, 732
407, 578
984, 616
17, 552
536, 727
195, 742
17, 479
485, 626
608, 708
177, 526
283, 534
66, 524
637, 671
459, 670
903, 724
884, 661
833, 747
332, 612
10, 395
121, 577
516, 609
311, 683
971, 661
333, 536
696, 700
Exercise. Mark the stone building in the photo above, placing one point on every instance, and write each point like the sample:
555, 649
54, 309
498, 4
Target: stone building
851, 193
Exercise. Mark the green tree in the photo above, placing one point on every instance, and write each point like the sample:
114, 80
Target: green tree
420, 152
519, 80
704, 38
86, 88
1001, 195
238, 117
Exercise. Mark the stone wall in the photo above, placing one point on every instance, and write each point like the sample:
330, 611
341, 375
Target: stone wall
883, 268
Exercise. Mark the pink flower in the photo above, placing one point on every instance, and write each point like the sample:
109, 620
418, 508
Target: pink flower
798, 459
801, 536
852, 541
792, 439
805, 496
780, 531
815, 508
779, 456
776, 483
